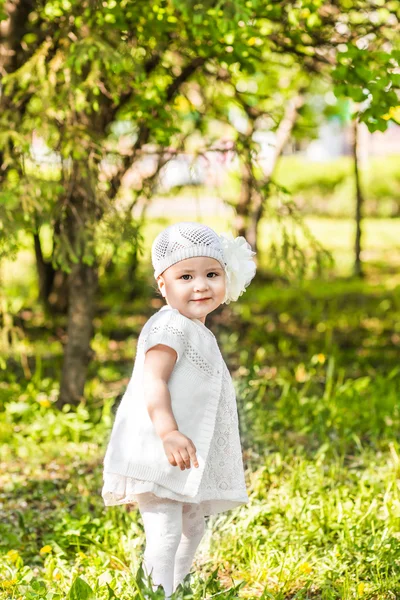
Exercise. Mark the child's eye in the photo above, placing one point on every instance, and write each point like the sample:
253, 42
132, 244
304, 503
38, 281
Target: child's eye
187, 275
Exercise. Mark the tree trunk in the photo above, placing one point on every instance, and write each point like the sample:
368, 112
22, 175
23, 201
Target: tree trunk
358, 270
132, 272
77, 352
78, 230
53, 283
58, 297
252, 229
45, 272
242, 207
12, 30
282, 137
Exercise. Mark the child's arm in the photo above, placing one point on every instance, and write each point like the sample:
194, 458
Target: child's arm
158, 366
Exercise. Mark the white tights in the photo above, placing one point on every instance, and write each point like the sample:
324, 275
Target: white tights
173, 532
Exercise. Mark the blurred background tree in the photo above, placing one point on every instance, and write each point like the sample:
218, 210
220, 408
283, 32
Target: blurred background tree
90, 90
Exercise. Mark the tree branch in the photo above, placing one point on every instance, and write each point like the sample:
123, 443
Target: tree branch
144, 129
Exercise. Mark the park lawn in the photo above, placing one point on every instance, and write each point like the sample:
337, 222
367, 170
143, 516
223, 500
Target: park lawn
380, 242
316, 367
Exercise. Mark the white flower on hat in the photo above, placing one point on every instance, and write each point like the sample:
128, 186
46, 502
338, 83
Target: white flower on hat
240, 268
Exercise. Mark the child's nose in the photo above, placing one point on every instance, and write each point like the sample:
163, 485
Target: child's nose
201, 284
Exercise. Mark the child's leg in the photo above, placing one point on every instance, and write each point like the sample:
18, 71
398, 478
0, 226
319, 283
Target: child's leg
162, 519
193, 527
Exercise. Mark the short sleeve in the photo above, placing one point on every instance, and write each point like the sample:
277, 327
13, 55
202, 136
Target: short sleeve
166, 329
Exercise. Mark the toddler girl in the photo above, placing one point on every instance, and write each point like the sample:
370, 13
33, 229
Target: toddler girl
174, 448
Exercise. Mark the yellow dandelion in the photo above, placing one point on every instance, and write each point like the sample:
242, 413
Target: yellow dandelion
56, 574
46, 549
45, 403
360, 588
305, 568
321, 358
13, 555
8, 583
82, 554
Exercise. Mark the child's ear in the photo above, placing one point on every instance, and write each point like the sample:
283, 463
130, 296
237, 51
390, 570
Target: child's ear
161, 285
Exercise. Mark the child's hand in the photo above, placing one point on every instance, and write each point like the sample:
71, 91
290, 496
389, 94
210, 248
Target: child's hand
179, 449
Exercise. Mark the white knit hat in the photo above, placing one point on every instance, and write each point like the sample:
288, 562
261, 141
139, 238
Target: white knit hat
188, 239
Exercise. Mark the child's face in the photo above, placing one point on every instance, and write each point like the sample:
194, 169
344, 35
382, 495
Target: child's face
185, 282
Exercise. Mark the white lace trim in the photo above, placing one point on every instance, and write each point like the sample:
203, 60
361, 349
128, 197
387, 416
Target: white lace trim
166, 331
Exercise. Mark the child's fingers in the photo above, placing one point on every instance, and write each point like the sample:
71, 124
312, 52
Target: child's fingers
171, 459
192, 453
179, 462
176, 460
185, 458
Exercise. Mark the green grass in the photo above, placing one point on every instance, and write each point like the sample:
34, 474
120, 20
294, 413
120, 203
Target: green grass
326, 187
380, 242
316, 368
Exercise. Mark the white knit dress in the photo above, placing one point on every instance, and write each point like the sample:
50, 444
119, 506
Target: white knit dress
222, 486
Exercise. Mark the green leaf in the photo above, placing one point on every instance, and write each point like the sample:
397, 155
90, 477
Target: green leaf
356, 94
313, 21
80, 590
111, 593
363, 73
340, 72
13, 176
30, 38
395, 77
38, 585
